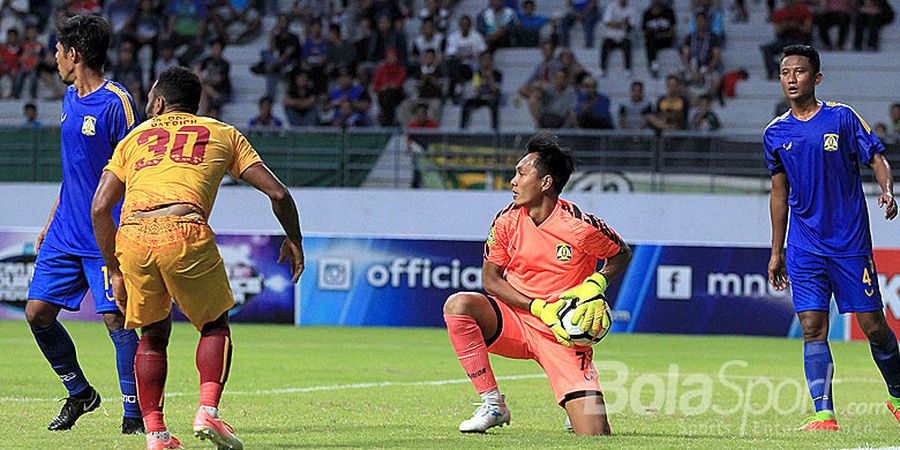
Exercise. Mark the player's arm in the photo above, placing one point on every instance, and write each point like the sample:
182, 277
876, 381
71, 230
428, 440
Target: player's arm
109, 192
493, 282
43, 233
778, 210
260, 177
886, 200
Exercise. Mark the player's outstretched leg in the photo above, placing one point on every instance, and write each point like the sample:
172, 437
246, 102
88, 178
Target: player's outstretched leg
150, 367
819, 368
59, 350
214, 363
883, 343
126, 343
470, 319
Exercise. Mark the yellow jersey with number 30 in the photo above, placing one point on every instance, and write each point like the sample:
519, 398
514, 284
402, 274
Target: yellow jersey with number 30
179, 158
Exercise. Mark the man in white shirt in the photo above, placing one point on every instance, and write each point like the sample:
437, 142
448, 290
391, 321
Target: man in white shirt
463, 48
618, 21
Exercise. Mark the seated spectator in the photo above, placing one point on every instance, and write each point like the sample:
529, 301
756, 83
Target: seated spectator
584, 11
439, 15
9, 60
429, 39
264, 122
659, 27
702, 117
215, 72
429, 87
145, 27
364, 41
31, 120
528, 33
300, 101
618, 21
672, 108
895, 118
127, 71
345, 115
388, 86
837, 13
338, 52
47, 70
715, 16
484, 90
377, 8
554, 105
118, 13
187, 20
279, 57
575, 72
542, 74
592, 111
236, 21
421, 119
29, 60
496, 23
871, 16
13, 14
386, 36
463, 47
312, 56
793, 25
701, 57
165, 59
79, 7
634, 113
355, 92
881, 132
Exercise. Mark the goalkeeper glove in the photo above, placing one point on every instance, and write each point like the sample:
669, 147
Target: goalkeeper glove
549, 314
590, 314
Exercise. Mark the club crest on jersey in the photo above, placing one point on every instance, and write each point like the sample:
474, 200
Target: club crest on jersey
88, 127
62, 118
563, 252
831, 142
490, 240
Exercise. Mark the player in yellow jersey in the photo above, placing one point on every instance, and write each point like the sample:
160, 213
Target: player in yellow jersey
169, 169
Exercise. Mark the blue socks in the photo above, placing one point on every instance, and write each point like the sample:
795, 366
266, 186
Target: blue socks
887, 359
126, 342
819, 370
58, 348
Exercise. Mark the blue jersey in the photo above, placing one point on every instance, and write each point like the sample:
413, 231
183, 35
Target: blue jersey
91, 127
821, 157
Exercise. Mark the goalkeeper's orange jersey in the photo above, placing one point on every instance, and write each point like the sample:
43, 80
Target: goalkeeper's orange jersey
179, 158
550, 258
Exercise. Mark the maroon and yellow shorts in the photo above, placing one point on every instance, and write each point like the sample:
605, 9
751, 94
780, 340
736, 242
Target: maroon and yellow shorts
171, 258
521, 335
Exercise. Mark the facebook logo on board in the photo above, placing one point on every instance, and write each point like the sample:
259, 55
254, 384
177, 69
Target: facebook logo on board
673, 282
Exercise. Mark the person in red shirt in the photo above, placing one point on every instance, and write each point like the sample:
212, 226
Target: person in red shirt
793, 25
421, 118
388, 85
540, 247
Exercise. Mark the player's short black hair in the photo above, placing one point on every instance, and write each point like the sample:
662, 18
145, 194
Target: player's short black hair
181, 89
88, 35
551, 159
806, 51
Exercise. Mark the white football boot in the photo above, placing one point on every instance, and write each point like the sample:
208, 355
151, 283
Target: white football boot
488, 415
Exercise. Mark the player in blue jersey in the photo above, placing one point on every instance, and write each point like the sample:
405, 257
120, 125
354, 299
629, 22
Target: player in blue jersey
814, 152
96, 115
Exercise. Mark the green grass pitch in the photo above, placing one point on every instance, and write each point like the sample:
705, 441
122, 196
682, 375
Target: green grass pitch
387, 388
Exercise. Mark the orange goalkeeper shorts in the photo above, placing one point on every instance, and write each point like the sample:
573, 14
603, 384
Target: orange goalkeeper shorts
521, 335
171, 258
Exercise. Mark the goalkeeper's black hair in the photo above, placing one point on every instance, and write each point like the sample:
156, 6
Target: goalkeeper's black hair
806, 51
551, 159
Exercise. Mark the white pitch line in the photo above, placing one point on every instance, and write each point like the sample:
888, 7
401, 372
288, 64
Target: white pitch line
382, 384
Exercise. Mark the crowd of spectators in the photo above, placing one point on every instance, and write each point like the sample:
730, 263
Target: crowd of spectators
386, 63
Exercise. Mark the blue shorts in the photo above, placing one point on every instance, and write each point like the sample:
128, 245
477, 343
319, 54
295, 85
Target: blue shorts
62, 279
814, 278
